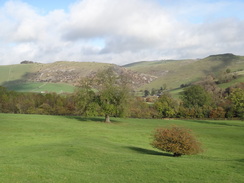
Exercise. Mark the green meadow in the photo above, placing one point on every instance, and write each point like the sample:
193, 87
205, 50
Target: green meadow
57, 149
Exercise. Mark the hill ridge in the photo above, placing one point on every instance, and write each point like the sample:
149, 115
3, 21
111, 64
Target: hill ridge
143, 74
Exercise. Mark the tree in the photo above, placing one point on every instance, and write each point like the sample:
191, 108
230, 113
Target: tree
228, 70
153, 92
112, 93
146, 93
195, 96
140, 109
237, 99
177, 140
87, 103
166, 106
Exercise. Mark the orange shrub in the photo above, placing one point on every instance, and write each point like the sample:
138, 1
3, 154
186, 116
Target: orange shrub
177, 140
151, 99
219, 112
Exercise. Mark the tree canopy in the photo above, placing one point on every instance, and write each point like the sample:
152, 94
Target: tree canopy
107, 90
166, 106
195, 96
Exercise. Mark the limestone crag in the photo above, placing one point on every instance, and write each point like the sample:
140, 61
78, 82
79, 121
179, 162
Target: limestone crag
61, 72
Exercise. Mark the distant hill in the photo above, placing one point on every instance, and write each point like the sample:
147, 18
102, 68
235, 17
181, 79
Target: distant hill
36, 77
63, 76
173, 73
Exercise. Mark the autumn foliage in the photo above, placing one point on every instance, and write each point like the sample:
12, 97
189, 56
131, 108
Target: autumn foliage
176, 140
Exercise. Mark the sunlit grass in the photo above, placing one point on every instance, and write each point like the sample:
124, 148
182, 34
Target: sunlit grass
39, 148
233, 82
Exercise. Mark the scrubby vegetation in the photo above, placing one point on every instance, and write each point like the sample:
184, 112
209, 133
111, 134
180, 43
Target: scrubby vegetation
176, 140
196, 101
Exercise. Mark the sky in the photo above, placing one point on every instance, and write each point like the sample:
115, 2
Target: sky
118, 31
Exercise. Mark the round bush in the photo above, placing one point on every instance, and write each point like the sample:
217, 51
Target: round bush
176, 140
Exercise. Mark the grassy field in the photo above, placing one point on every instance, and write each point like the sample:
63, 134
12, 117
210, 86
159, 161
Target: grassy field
36, 148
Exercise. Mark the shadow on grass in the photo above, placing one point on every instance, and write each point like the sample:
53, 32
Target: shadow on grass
87, 119
213, 123
148, 151
240, 160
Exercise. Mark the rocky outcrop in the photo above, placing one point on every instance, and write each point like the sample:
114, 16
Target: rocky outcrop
61, 72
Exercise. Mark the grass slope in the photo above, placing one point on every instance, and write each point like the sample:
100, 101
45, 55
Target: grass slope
37, 148
14, 77
177, 92
173, 73
177, 72
15, 72
41, 87
233, 82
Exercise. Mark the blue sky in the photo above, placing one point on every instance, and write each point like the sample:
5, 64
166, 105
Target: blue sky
118, 31
47, 5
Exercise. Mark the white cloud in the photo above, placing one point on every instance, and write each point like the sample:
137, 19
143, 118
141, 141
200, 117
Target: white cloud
116, 31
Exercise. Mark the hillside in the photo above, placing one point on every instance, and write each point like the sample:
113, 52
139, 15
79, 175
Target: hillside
173, 73
35, 76
63, 76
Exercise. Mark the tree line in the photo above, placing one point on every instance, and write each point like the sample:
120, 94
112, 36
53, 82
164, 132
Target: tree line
109, 94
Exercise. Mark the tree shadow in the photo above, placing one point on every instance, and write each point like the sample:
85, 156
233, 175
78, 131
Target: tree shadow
89, 119
18, 84
148, 151
214, 123
240, 160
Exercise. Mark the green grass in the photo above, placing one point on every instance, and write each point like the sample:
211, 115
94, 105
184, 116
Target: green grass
39, 148
14, 72
41, 87
176, 92
233, 82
